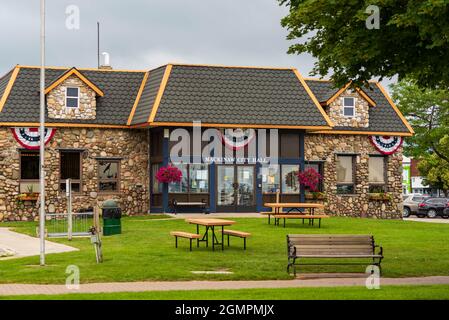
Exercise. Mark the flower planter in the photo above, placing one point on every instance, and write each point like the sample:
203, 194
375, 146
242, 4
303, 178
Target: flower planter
28, 197
315, 196
379, 197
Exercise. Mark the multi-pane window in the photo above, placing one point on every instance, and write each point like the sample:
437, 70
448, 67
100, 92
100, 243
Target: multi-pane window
377, 174
109, 175
195, 179
290, 182
70, 168
349, 106
345, 174
72, 97
270, 178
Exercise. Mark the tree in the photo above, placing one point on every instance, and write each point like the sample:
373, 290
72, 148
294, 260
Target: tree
436, 172
412, 39
428, 113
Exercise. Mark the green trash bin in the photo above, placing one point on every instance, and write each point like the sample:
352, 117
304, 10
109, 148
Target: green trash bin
112, 214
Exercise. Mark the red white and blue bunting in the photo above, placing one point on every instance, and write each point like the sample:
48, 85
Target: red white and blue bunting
386, 144
236, 139
29, 137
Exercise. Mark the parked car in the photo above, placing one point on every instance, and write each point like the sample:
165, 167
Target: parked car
446, 211
433, 207
411, 202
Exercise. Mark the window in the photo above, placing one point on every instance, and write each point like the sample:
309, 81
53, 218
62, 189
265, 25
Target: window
345, 174
29, 165
179, 187
376, 166
319, 167
199, 178
349, 107
109, 175
70, 168
270, 178
290, 183
72, 97
157, 186
195, 179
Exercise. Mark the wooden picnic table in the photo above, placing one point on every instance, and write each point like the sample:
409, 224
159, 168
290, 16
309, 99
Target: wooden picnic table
277, 206
210, 224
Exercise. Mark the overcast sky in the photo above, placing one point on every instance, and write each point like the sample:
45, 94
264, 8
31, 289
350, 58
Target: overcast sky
143, 34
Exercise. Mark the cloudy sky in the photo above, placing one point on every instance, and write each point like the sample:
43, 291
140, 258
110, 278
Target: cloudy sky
143, 34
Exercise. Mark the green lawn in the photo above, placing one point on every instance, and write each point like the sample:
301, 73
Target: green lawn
145, 251
438, 292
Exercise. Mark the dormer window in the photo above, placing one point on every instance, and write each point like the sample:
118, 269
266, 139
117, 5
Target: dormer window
72, 97
348, 106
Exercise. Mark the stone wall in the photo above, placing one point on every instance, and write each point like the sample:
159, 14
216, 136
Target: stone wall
130, 146
361, 118
56, 105
324, 147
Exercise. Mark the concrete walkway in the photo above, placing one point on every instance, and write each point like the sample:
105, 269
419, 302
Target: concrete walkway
216, 215
23, 245
30, 289
436, 220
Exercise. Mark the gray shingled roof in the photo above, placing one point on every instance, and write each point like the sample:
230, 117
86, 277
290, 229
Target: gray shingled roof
382, 117
323, 90
4, 82
148, 96
120, 88
237, 96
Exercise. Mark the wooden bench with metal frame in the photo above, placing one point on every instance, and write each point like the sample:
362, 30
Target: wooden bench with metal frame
309, 217
186, 235
177, 204
238, 234
302, 246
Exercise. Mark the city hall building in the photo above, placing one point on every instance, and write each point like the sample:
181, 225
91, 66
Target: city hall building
110, 132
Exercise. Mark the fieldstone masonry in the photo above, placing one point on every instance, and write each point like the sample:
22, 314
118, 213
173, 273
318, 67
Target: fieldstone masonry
325, 147
130, 146
361, 118
56, 104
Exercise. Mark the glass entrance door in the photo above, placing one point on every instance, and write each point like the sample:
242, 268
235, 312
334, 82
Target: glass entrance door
235, 188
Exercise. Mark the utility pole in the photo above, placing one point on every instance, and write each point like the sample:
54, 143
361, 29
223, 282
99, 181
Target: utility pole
42, 141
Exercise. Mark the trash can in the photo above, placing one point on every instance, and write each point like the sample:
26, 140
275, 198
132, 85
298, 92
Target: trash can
112, 215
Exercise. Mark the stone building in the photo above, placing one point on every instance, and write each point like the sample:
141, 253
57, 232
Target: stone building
110, 131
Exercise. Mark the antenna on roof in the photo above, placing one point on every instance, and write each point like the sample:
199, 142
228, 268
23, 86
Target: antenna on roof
98, 45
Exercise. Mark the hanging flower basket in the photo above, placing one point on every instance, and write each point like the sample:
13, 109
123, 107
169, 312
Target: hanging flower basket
169, 174
310, 179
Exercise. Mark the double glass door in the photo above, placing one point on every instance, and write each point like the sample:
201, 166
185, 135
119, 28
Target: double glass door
235, 188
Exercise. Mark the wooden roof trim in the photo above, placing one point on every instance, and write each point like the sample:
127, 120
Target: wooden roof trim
9, 86
341, 90
395, 108
64, 125
69, 73
160, 93
139, 95
314, 99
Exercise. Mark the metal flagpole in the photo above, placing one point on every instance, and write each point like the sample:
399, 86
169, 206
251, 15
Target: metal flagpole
42, 140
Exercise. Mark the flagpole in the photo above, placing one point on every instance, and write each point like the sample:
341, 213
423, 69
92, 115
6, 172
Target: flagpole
42, 140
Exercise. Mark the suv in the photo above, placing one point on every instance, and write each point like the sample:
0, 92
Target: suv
411, 202
433, 207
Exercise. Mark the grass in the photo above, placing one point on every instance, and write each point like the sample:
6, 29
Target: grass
145, 251
435, 292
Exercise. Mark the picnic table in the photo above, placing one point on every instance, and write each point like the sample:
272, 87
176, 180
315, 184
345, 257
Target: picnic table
277, 206
210, 224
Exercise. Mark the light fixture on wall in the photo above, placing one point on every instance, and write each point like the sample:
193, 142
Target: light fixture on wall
166, 133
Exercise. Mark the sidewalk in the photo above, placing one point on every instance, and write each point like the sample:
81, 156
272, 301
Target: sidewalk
30, 289
23, 245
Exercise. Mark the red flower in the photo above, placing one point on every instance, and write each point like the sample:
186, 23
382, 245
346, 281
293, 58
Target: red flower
169, 174
309, 178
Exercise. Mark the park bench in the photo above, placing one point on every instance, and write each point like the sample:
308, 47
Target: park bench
238, 234
310, 217
190, 204
301, 246
186, 235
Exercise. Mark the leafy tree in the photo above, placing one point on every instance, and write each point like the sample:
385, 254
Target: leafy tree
436, 172
428, 113
412, 39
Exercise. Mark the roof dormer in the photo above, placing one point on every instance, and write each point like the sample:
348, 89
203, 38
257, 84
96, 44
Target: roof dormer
72, 96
